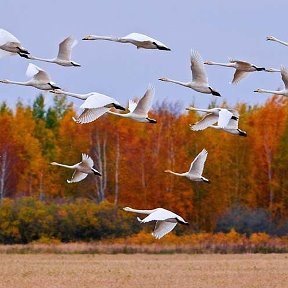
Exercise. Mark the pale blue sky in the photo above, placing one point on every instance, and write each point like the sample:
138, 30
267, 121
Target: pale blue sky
217, 29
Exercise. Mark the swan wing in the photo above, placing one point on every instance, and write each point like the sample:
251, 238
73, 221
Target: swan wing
197, 67
37, 73
224, 117
90, 114
205, 122
138, 37
97, 100
162, 228
77, 176
284, 74
145, 103
197, 165
238, 76
65, 48
160, 214
241, 63
132, 105
6, 36
87, 160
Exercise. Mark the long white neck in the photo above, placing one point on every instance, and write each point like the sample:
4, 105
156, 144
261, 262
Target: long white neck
139, 211
41, 59
215, 127
177, 82
175, 173
280, 41
197, 109
79, 96
63, 165
220, 64
270, 91
16, 82
108, 38
119, 114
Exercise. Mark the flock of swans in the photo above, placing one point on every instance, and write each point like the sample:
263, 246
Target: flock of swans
95, 105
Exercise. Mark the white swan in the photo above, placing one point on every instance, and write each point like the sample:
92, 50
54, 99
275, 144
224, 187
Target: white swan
231, 127
283, 92
220, 115
137, 39
242, 68
82, 169
165, 220
272, 38
40, 79
139, 111
10, 45
199, 81
95, 105
64, 54
196, 168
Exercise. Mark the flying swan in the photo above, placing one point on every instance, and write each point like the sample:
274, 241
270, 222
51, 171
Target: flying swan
196, 168
94, 106
82, 169
165, 220
242, 68
40, 79
139, 111
220, 115
64, 54
199, 81
10, 45
137, 39
283, 92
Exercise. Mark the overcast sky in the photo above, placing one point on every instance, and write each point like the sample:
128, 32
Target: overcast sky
217, 29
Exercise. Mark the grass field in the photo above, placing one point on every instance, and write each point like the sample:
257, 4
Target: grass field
141, 270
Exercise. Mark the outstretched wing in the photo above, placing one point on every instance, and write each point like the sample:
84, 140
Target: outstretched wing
77, 176
240, 62
224, 117
197, 165
65, 48
132, 105
284, 74
162, 228
238, 76
197, 68
90, 115
6, 36
145, 103
160, 214
37, 73
87, 160
205, 122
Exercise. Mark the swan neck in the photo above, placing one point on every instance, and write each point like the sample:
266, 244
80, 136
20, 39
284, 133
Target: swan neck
222, 64
177, 82
18, 83
62, 165
281, 42
175, 173
118, 114
108, 38
41, 59
76, 95
141, 211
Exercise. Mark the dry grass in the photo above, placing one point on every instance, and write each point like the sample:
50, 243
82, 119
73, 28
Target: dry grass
140, 270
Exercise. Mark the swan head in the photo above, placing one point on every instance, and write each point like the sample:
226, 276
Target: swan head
75, 64
4, 81
270, 38
163, 79
53, 163
88, 37
258, 90
127, 209
167, 171
208, 62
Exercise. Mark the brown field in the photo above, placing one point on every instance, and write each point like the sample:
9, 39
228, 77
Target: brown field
141, 270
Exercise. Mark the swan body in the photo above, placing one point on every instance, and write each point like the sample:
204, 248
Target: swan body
283, 92
82, 169
10, 45
272, 38
139, 111
40, 79
242, 68
137, 39
199, 81
95, 105
196, 168
231, 127
64, 54
220, 115
165, 220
